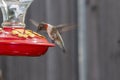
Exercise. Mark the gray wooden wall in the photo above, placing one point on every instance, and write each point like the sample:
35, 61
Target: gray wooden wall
103, 43
103, 27
54, 65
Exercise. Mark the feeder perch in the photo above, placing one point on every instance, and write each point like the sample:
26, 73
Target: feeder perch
15, 40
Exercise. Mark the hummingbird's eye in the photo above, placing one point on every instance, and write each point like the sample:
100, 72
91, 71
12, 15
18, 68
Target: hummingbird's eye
40, 27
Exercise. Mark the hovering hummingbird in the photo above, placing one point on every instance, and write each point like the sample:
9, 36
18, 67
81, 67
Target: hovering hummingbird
52, 31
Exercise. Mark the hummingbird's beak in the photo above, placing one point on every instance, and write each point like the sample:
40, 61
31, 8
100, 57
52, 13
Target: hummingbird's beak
34, 23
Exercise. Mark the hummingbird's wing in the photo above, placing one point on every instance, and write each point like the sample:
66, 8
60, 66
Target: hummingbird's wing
65, 27
34, 22
61, 28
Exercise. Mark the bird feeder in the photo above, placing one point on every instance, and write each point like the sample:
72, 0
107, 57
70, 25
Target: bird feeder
15, 40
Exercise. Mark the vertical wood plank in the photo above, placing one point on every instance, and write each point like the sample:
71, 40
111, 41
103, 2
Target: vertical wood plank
92, 40
109, 34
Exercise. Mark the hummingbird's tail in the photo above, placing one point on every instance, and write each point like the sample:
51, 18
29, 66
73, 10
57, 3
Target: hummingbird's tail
64, 50
61, 45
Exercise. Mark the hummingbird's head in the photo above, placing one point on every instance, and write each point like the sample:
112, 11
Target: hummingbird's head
42, 26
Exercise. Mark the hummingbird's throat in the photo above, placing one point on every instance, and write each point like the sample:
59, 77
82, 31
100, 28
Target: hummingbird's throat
46, 26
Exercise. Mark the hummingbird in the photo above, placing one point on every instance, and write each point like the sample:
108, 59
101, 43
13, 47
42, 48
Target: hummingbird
52, 32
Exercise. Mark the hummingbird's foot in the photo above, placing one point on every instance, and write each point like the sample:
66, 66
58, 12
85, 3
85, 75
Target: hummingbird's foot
52, 41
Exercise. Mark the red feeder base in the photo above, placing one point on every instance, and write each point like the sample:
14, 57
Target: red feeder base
13, 45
